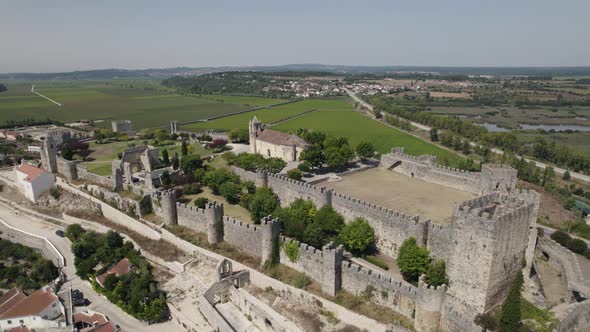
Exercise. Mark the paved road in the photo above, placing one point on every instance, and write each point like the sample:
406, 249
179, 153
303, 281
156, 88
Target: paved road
99, 303
558, 170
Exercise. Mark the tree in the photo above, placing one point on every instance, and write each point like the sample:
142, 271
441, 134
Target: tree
338, 157
113, 239
175, 161
296, 217
413, 260
576, 245
313, 155
165, 157
325, 227
231, 192
510, 315
434, 135
74, 232
548, 175
110, 282
567, 176
263, 203
295, 174
239, 135
66, 152
166, 178
3, 87
365, 150
183, 148
561, 237
188, 164
436, 274
357, 236
216, 177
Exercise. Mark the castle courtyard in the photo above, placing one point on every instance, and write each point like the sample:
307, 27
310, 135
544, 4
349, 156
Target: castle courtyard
401, 193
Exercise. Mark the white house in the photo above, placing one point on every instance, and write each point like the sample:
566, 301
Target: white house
40, 310
272, 143
33, 181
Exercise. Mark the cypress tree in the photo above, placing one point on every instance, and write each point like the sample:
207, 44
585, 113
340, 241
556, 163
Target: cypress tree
165, 157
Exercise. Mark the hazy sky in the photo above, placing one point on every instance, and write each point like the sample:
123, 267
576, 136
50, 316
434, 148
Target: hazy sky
61, 35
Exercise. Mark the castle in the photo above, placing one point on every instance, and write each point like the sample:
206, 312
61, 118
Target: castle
488, 240
272, 143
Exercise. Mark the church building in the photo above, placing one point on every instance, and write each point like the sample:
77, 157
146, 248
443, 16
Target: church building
272, 143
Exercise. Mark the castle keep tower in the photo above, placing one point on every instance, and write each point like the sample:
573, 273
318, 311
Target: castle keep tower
254, 126
497, 177
168, 202
331, 268
49, 154
214, 219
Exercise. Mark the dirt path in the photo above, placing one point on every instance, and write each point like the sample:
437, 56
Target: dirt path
553, 283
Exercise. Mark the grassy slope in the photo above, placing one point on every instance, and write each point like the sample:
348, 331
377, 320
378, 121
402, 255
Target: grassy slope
143, 102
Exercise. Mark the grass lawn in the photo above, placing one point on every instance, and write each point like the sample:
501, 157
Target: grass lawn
231, 210
270, 115
243, 100
357, 127
144, 102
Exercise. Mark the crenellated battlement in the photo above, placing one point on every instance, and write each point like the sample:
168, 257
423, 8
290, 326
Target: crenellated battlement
387, 213
295, 182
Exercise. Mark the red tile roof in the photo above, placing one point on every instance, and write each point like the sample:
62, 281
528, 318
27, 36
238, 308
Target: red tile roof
32, 305
19, 329
123, 267
31, 172
10, 298
280, 138
95, 322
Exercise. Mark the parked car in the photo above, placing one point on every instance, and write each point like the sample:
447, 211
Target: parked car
60, 233
81, 302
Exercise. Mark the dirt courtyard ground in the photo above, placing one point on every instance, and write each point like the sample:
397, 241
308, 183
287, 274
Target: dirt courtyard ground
401, 193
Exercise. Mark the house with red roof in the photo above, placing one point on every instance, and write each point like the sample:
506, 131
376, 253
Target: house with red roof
33, 181
92, 321
272, 143
123, 267
40, 310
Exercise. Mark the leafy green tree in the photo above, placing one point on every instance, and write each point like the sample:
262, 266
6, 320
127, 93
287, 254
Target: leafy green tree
216, 177
578, 246
83, 249
296, 217
434, 135
338, 157
165, 157
357, 236
412, 259
510, 314
326, 225
166, 178
239, 135
113, 239
183, 149
66, 152
313, 155
263, 203
486, 321
567, 176
74, 232
365, 150
188, 164
231, 192
110, 282
561, 237
436, 274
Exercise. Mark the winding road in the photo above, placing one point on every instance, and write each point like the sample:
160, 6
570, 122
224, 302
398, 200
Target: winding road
558, 170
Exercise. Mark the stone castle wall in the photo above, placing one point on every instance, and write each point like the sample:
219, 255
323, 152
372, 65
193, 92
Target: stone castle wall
85, 174
127, 205
258, 240
288, 190
309, 259
67, 168
198, 219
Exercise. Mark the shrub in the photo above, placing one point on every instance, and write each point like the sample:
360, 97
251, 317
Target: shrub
217, 143
561, 237
191, 189
55, 192
510, 314
304, 167
201, 202
231, 192
576, 245
292, 250
295, 174
301, 281
365, 150
216, 177
74, 232
188, 164
357, 236
412, 260
567, 175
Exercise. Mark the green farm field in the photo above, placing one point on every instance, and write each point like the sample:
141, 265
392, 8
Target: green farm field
243, 100
357, 127
144, 102
270, 115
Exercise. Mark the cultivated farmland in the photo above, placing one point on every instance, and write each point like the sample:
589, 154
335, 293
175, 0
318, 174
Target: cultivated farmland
144, 102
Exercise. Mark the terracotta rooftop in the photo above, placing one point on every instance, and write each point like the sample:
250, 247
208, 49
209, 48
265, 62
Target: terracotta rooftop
93, 322
19, 329
31, 305
123, 267
31, 171
10, 298
280, 138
